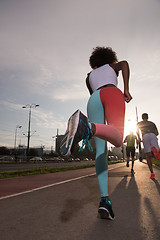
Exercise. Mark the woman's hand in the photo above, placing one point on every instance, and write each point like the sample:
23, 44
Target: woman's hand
124, 67
127, 96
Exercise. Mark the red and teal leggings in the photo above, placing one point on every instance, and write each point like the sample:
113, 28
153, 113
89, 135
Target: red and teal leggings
106, 105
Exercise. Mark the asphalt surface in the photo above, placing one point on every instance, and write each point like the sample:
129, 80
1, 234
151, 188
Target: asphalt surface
68, 210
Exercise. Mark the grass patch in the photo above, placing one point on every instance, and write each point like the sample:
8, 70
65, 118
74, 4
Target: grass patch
38, 171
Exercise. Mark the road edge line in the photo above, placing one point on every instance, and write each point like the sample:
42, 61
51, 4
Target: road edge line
53, 184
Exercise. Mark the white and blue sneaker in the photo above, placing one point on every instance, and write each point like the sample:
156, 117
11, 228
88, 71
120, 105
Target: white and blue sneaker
78, 129
105, 209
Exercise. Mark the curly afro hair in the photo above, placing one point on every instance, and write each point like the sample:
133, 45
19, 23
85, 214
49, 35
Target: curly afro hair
101, 56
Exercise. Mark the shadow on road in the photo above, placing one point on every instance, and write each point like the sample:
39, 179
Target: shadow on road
153, 218
135, 215
73, 206
157, 185
120, 174
126, 205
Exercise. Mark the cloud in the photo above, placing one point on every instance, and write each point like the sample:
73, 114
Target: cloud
70, 92
48, 120
43, 118
10, 105
44, 51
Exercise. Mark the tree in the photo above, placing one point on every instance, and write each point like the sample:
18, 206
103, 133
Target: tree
33, 152
4, 151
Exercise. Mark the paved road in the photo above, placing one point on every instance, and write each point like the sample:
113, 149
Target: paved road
68, 211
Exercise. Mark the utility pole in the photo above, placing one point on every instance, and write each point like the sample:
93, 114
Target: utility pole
30, 106
16, 136
55, 137
139, 140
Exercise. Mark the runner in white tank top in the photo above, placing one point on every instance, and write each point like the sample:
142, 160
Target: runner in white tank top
102, 76
149, 136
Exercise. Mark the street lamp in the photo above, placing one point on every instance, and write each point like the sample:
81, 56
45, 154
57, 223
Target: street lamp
55, 138
16, 136
30, 106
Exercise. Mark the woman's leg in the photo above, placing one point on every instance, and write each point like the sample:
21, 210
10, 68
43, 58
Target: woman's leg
114, 107
106, 104
96, 114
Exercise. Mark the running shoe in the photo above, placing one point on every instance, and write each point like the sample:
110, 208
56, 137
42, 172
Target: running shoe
78, 129
152, 176
105, 209
156, 153
127, 164
132, 171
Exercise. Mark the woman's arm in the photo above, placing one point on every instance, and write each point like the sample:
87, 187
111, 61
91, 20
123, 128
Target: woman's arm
124, 67
156, 130
88, 85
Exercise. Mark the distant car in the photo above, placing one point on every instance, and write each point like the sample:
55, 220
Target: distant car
61, 159
36, 159
56, 158
86, 159
77, 159
70, 159
6, 158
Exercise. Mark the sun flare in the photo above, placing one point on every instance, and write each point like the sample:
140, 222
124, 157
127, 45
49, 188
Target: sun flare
130, 126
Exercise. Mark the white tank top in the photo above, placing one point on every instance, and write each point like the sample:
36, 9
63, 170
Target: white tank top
102, 76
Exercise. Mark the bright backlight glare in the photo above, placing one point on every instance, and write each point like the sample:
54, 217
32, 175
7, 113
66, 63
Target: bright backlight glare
130, 126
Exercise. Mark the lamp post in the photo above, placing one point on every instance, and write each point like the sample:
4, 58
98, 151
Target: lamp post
30, 106
16, 136
55, 138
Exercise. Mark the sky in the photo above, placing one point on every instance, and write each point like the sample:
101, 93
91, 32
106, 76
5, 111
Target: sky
44, 59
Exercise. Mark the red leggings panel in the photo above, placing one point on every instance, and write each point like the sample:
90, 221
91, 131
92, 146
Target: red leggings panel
114, 106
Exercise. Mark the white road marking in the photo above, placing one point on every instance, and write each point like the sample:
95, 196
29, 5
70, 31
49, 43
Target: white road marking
53, 184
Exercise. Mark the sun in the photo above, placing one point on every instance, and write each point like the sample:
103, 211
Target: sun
130, 126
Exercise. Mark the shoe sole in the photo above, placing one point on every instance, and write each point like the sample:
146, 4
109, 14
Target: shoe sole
66, 143
104, 213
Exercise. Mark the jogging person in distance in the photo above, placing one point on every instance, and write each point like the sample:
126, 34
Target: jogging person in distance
106, 105
130, 148
149, 137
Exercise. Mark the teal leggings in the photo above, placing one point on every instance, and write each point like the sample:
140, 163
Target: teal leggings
106, 104
97, 116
